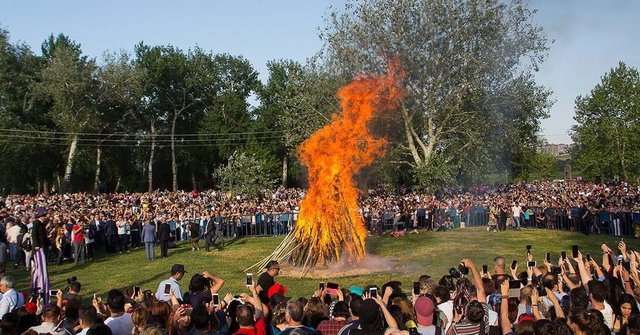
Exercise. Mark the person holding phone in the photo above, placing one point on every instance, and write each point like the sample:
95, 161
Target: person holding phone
266, 280
177, 272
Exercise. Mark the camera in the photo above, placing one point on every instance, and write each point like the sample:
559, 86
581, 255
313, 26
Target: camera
454, 273
463, 269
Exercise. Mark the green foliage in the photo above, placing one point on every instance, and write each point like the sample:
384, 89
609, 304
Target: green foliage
470, 97
606, 141
246, 173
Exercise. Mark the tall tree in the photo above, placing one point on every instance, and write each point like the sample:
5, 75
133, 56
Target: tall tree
606, 142
118, 100
296, 101
460, 58
68, 83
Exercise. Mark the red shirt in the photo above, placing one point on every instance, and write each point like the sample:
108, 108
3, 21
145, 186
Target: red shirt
259, 329
78, 233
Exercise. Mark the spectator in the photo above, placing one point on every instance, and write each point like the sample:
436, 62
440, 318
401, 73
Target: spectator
177, 272
50, 320
88, 318
11, 299
266, 280
294, 315
118, 321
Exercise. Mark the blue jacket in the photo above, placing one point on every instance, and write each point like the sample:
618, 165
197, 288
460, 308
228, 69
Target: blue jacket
148, 233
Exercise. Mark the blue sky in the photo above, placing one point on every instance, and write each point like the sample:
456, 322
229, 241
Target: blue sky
591, 36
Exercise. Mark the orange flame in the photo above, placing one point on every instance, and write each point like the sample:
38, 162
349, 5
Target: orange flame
329, 223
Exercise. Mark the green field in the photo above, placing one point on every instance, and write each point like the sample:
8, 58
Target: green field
431, 253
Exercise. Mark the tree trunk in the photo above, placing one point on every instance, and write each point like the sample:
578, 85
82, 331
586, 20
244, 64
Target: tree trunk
59, 183
96, 180
194, 184
117, 184
153, 150
38, 185
285, 168
174, 166
45, 186
69, 169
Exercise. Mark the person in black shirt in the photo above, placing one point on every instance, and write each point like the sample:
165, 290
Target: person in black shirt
267, 280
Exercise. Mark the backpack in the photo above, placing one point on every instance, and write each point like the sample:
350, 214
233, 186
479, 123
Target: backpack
26, 244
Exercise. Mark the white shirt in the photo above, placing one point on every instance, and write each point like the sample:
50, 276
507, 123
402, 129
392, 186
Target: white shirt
12, 234
121, 325
10, 301
516, 211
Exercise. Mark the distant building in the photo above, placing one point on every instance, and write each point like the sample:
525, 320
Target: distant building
556, 149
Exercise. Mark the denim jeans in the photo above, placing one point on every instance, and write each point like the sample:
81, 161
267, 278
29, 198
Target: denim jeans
149, 250
13, 252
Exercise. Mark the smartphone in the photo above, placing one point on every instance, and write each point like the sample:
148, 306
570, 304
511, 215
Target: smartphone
528, 247
619, 261
531, 264
574, 251
416, 287
249, 279
564, 255
332, 288
373, 292
514, 288
588, 257
216, 299
167, 289
94, 296
485, 268
136, 290
514, 263
626, 266
541, 291
53, 293
321, 286
548, 257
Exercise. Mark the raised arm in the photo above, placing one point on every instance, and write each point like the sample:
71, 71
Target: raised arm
477, 279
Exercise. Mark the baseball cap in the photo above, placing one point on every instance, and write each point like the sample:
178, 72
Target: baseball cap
424, 311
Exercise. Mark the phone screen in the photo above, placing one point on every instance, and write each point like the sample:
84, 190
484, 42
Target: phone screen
564, 255
332, 286
548, 257
216, 299
167, 289
416, 287
373, 292
574, 251
514, 264
249, 279
485, 268
588, 257
136, 290
321, 286
531, 264
53, 293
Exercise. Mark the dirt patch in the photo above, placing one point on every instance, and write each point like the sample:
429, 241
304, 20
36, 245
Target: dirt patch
344, 268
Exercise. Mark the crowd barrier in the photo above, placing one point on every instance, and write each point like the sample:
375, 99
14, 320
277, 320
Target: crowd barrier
600, 222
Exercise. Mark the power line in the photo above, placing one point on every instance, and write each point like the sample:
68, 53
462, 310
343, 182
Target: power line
137, 134
134, 140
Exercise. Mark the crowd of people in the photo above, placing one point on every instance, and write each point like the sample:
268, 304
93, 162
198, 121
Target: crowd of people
78, 224
577, 295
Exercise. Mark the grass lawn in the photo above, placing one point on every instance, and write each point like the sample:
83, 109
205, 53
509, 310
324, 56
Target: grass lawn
431, 253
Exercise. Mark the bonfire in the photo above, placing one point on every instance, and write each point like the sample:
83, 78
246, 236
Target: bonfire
329, 227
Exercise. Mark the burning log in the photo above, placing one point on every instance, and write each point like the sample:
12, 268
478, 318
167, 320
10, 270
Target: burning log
329, 227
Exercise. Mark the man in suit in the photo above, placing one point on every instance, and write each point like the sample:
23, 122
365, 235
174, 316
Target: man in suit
164, 234
148, 237
39, 243
209, 233
111, 234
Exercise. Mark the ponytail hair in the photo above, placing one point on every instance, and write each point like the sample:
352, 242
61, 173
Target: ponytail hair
590, 322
